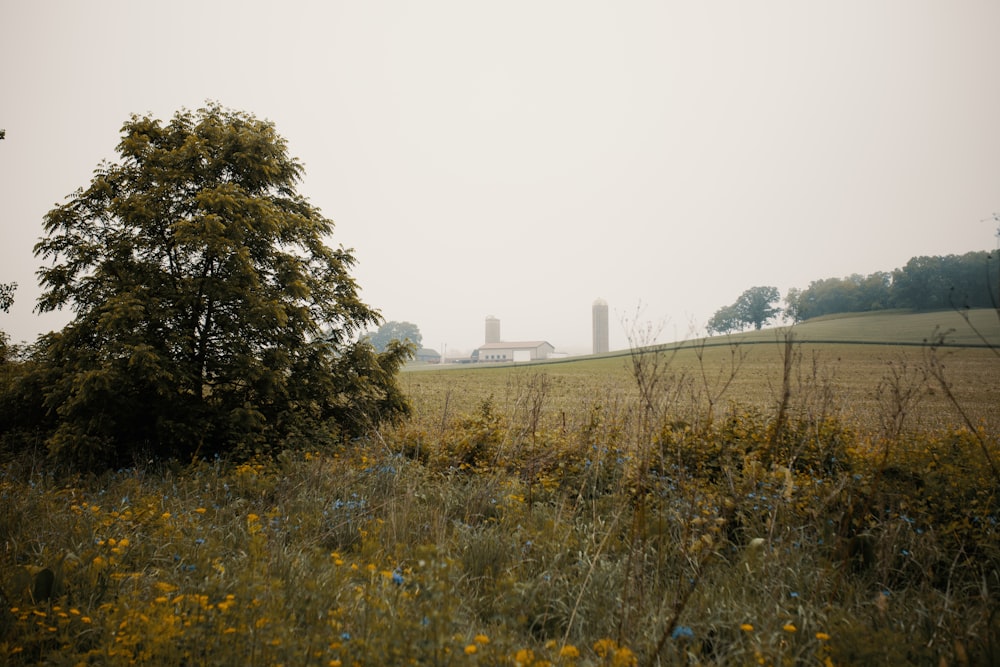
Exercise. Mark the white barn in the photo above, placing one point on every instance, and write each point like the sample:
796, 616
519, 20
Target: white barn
532, 350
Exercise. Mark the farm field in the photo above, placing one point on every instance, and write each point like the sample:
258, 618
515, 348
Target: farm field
847, 358
749, 502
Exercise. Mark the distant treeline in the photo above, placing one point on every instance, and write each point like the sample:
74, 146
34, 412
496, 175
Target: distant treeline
925, 283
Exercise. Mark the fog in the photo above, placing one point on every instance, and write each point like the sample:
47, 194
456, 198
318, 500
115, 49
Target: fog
523, 159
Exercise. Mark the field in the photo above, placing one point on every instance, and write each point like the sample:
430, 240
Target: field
821, 499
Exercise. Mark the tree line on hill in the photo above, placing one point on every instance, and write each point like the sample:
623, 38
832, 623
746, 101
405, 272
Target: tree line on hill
971, 280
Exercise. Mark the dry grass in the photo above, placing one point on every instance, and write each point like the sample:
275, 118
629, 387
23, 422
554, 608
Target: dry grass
760, 504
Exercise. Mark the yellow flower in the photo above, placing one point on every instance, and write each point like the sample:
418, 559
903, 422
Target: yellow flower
746, 627
524, 657
569, 652
481, 639
603, 647
822, 636
789, 627
334, 663
201, 510
470, 649
624, 657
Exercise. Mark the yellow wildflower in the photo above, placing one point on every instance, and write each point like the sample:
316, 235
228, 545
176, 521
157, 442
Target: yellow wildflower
470, 649
746, 627
524, 657
822, 636
624, 657
604, 647
481, 639
569, 652
789, 627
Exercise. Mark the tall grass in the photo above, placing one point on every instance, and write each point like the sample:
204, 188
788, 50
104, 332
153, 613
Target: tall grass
660, 515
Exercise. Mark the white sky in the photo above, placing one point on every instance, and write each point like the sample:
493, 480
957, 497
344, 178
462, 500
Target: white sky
523, 158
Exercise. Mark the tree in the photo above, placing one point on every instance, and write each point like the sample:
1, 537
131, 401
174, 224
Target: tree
755, 307
6, 301
793, 304
7, 296
390, 331
724, 321
209, 313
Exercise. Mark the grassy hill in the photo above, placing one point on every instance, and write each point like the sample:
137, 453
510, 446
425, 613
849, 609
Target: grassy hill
890, 327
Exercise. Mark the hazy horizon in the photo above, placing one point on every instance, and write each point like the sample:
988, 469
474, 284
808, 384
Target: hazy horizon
522, 160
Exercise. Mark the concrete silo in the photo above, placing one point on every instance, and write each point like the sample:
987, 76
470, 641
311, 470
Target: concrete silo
492, 329
600, 318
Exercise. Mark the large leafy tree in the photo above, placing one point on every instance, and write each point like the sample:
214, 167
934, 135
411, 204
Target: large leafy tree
398, 331
755, 308
724, 321
209, 312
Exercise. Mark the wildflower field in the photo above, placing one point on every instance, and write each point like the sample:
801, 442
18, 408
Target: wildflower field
772, 503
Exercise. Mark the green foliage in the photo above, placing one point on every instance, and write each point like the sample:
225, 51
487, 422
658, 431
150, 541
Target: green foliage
395, 331
854, 294
209, 313
725, 320
7, 296
754, 308
951, 281
6, 301
971, 280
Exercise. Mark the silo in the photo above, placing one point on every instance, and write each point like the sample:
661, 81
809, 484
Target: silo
492, 329
600, 317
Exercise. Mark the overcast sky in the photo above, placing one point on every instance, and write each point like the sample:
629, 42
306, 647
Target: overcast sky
522, 159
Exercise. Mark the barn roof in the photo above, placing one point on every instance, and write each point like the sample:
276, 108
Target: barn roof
513, 345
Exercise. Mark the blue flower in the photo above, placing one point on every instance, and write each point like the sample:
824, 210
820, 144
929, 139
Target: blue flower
397, 578
682, 632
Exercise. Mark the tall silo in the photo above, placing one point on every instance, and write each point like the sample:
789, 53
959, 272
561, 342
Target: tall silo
600, 317
492, 329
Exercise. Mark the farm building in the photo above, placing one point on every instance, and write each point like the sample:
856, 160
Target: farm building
514, 351
427, 356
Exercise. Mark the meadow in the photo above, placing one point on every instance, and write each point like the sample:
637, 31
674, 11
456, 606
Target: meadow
821, 498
